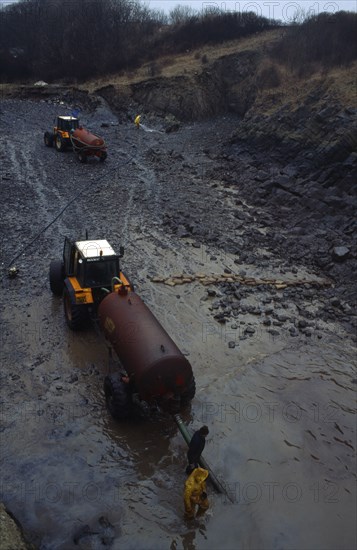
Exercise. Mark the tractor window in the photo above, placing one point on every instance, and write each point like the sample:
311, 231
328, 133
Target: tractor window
76, 265
68, 256
80, 272
100, 273
68, 125
73, 124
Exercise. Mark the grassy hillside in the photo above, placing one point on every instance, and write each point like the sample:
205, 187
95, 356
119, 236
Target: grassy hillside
274, 82
188, 63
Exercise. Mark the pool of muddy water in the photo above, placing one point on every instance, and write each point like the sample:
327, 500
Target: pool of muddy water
281, 422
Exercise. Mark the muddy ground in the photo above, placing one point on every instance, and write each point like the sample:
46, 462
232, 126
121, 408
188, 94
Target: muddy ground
274, 363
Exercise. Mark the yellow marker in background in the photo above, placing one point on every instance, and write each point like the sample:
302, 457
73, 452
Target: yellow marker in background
137, 121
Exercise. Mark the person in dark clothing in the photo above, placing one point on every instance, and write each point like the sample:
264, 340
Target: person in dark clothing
195, 448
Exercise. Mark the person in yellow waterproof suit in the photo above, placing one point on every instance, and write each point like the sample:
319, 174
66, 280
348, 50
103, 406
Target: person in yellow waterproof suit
195, 493
137, 121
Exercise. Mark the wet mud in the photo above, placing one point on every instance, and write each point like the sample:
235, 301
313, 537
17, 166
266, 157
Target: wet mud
274, 365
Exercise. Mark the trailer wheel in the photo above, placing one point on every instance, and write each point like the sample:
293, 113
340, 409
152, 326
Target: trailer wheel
189, 394
56, 277
117, 397
77, 316
48, 139
82, 157
59, 143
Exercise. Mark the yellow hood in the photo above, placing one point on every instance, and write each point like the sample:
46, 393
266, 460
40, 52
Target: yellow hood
200, 475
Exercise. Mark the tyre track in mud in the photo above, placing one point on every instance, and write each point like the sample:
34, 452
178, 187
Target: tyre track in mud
152, 247
45, 181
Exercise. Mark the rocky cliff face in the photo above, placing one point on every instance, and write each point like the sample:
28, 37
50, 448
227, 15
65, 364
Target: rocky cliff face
225, 85
293, 152
11, 533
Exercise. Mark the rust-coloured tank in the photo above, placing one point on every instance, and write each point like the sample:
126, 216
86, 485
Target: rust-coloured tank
154, 363
84, 138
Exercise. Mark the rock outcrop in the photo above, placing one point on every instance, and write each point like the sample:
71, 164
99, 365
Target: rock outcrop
10, 533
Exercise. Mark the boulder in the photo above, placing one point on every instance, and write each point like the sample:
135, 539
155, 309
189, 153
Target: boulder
11, 534
340, 253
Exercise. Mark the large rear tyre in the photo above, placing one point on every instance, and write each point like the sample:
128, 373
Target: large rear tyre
189, 393
56, 277
77, 316
48, 139
117, 397
60, 144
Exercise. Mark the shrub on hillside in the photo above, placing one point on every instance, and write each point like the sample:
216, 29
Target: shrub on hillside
268, 77
328, 39
154, 69
213, 27
75, 39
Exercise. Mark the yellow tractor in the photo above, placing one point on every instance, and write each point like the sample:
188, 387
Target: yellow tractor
61, 135
89, 271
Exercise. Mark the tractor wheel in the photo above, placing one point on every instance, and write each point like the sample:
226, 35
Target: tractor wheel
48, 139
76, 316
189, 394
59, 144
103, 156
82, 157
56, 277
117, 397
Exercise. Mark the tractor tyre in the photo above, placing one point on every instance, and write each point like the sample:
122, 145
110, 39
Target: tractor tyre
82, 157
189, 394
77, 316
48, 139
103, 156
56, 277
60, 144
117, 397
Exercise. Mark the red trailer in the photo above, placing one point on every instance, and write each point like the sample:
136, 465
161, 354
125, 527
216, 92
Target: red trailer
87, 145
155, 369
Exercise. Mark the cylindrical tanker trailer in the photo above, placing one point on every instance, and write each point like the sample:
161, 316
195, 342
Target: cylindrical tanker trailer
155, 370
86, 144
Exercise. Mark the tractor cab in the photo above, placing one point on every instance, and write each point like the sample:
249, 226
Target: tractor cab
88, 272
66, 125
92, 263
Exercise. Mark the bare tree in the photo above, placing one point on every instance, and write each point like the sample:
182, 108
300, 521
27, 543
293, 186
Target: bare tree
182, 14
